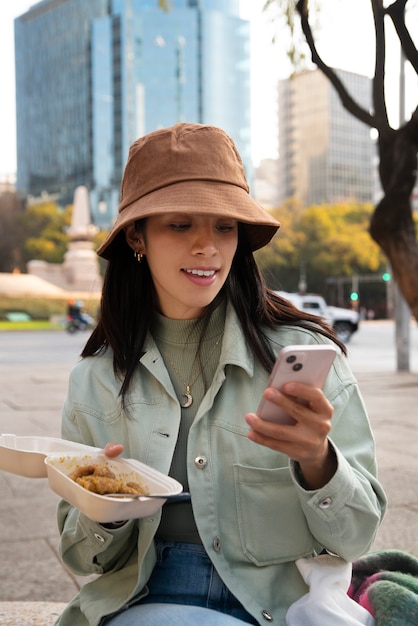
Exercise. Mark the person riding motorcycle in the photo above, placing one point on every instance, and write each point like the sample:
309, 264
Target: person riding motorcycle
77, 319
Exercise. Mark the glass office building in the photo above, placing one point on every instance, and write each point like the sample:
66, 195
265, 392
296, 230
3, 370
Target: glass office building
326, 155
92, 76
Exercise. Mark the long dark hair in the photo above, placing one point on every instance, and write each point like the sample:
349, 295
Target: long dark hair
128, 304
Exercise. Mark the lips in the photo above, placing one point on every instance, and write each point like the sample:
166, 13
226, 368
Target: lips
198, 272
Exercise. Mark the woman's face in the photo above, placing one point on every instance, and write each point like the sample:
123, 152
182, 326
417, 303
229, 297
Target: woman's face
189, 258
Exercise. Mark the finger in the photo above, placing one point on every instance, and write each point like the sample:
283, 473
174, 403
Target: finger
112, 449
282, 400
307, 393
284, 444
274, 430
299, 441
299, 445
268, 442
297, 408
311, 397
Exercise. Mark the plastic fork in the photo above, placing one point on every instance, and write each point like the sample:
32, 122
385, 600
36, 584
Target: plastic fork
176, 497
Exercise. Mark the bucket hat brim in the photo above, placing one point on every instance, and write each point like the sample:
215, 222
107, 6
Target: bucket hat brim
198, 198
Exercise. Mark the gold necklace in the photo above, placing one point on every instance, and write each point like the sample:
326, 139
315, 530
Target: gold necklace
187, 394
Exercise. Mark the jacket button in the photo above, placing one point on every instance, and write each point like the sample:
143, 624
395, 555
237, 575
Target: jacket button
216, 544
99, 537
267, 615
325, 503
200, 462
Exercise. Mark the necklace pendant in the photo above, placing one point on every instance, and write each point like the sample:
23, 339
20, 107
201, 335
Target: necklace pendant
188, 396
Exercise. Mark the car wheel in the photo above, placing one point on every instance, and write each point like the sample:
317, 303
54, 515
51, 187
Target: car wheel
343, 330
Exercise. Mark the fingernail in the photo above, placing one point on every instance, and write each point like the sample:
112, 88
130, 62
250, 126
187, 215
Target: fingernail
270, 394
249, 419
289, 388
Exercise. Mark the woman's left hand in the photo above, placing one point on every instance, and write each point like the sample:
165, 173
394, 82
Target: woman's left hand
306, 442
113, 449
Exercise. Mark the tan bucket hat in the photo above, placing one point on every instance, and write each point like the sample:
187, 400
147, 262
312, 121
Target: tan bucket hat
192, 168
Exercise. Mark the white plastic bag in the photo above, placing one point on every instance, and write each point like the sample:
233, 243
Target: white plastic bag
327, 602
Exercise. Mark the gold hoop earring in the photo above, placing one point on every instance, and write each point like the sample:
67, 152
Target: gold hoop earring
138, 255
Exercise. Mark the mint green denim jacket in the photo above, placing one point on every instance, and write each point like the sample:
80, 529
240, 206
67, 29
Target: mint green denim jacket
253, 515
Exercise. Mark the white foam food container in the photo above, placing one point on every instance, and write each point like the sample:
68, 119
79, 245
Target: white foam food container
25, 455
102, 508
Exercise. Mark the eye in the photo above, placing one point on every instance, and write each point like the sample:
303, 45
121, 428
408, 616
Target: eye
226, 228
179, 226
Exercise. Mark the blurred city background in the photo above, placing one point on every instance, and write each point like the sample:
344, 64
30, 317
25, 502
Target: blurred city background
82, 80
329, 147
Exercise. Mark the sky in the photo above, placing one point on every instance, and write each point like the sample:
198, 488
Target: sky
340, 22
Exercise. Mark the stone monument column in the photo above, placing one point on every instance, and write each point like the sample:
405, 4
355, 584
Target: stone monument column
81, 265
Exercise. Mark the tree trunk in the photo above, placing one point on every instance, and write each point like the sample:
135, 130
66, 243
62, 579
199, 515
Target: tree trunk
392, 225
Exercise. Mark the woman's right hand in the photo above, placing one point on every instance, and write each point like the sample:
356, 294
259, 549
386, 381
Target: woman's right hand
112, 449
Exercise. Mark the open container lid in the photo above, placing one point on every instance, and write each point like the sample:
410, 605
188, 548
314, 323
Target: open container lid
25, 456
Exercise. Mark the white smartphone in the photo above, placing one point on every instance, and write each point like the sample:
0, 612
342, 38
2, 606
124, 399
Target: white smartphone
304, 364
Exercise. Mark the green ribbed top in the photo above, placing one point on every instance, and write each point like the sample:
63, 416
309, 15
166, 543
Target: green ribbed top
178, 342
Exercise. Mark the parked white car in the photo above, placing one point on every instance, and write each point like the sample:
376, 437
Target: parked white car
344, 321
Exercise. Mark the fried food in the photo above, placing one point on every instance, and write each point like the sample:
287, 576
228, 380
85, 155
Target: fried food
92, 470
100, 479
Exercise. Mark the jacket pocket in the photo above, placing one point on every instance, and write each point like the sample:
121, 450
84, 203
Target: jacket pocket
271, 522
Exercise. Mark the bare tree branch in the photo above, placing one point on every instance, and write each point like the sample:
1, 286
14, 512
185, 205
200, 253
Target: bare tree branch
396, 11
379, 102
349, 103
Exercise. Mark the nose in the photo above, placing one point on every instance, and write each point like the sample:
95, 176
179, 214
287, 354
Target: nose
205, 242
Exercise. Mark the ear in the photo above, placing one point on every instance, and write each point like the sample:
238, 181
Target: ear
133, 238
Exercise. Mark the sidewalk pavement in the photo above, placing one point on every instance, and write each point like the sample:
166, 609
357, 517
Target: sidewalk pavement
30, 404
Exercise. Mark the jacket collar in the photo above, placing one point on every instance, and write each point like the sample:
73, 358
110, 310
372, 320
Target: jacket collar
235, 350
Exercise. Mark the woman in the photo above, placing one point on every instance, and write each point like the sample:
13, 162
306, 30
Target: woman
173, 373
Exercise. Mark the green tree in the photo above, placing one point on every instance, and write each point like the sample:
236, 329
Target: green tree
322, 242
280, 261
336, 236
44, 226
391, 224
11, 236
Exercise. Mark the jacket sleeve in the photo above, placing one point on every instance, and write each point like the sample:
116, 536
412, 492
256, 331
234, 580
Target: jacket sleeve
87, 547
345, 514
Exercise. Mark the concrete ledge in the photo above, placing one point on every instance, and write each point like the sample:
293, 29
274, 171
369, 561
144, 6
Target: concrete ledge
30, 613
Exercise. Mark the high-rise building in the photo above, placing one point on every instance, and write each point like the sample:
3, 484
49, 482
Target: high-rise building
326, 155
93, 76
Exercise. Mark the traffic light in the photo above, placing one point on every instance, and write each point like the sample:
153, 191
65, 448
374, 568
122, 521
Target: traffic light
354, 296
386, 276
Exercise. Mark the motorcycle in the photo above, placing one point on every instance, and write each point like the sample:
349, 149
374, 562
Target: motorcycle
82, 322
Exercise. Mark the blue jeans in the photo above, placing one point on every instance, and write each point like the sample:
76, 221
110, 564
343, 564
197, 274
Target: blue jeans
184, 578
172, 614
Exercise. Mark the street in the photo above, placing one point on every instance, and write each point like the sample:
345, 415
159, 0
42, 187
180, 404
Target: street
372, 348
41, 347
